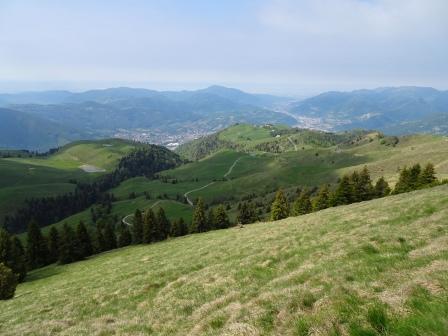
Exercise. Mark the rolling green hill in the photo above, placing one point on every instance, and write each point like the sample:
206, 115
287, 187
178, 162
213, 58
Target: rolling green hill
306, 159
372, 268
22, 178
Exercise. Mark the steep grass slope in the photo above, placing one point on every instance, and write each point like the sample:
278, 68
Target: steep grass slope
373, 268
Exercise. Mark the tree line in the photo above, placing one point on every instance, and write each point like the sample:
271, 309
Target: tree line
66, 245
353, 188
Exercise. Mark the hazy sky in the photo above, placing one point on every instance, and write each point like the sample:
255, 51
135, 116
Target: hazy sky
281, 46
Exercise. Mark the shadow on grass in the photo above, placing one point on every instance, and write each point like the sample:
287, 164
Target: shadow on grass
43, 273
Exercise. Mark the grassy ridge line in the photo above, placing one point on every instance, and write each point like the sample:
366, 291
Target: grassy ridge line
349, 270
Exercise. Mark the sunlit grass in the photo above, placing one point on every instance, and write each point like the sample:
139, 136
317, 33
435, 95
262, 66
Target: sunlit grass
372, 268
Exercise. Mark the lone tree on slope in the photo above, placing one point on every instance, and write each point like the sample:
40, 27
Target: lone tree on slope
280, 206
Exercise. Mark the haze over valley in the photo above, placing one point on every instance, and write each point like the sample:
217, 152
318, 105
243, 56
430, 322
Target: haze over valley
235, 168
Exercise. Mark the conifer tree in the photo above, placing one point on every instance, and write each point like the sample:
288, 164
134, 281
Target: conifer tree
69, 246
101, 244
322, 200
382, 188
199, 223
414, 176
137, 228
53, 244
343, 193
163, 224
404, 182
243, 216
18, 262
84, 241
36, 251
364, 188
150, 227
12, 254
175, 228
211, 225
8, 282
428, 176
302, 205
5, 247
280, 206
355, 183
221, 218
109, 237
179, 228
124, 237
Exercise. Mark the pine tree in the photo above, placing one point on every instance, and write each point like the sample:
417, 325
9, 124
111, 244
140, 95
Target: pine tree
211, 225
302, 205
109, 237
124, 237
163, 224
343, 193
243, 216
382, 188
69, 247
150, 227
84, 241
36, 252
8, 282
53, 244
12, 254
137, 228
18, 259
101, 244
221, 218
428, 176
199, 223
322, 200
179, 228
404, 182
5, 247
355, 183
364, 188
414, 176
280, 207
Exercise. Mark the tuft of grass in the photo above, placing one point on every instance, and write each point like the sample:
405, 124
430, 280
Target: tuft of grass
378, 319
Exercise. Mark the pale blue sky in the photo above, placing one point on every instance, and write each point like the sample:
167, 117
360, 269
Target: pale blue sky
280, 46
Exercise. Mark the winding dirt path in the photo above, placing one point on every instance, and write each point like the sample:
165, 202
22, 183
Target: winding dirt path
293, 143
190, 202
125, 219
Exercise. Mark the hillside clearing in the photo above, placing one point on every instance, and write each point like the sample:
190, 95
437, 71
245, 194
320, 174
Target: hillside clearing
372, 268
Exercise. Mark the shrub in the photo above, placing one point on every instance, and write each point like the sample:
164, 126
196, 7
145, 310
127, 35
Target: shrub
8, 283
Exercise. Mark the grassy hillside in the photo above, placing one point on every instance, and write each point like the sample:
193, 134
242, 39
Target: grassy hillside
22, 178
373, 268
266, 138
313, 160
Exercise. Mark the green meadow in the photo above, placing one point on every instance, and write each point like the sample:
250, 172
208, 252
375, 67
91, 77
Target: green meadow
22, 178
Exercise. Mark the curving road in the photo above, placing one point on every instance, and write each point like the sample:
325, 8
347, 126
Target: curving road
293, 143
190, 202
125, 221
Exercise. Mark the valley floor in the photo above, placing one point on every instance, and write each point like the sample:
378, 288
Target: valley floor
372, 268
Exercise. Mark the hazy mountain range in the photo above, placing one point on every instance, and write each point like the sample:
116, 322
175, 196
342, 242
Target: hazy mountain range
398, 110
40, 120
